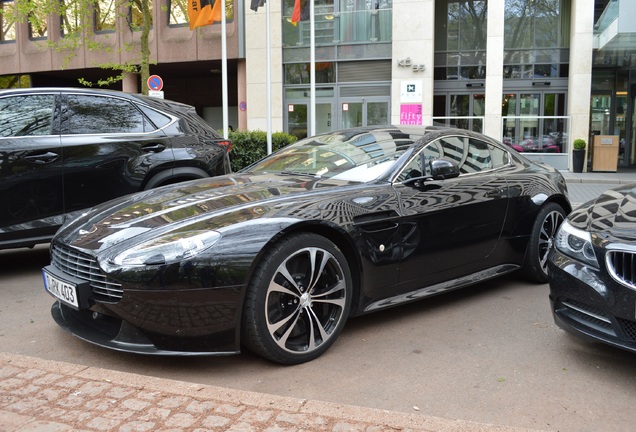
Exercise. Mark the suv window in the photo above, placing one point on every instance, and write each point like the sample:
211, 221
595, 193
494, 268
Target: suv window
27, 115
98, 115
159, 119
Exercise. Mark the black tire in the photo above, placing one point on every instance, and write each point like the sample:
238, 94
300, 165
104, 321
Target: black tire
535, 265
297, 301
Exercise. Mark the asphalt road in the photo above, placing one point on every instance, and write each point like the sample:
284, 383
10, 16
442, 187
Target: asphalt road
488, 353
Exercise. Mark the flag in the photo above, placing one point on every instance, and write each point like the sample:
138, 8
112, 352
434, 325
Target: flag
301, 12
203, 12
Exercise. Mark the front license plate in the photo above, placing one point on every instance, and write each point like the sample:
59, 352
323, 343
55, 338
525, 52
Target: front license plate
60, 289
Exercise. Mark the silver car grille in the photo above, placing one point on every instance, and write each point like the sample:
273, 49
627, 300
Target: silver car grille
622, 267
84, 266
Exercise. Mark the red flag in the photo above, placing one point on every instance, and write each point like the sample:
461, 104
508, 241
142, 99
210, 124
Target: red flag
300, 13
202, 13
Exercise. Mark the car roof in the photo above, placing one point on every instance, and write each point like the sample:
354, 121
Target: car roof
139, 98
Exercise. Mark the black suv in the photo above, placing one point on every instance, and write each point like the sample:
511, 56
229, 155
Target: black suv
62, 150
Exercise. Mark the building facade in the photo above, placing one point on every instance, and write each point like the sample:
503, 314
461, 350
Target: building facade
534, 74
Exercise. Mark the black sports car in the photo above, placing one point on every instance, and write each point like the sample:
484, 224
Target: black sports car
276, 258
593, 270
66, 149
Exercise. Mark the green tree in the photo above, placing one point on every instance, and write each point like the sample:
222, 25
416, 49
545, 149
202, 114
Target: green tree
81, 20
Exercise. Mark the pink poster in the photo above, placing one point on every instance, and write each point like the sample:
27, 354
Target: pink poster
411, 114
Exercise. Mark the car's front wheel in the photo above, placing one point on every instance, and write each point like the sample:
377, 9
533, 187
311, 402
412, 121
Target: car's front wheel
546, 225
298, 300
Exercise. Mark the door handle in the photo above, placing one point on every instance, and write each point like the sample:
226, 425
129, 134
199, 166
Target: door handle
42, 158
153, 148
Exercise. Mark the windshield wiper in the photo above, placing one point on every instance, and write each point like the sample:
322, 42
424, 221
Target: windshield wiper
300, 173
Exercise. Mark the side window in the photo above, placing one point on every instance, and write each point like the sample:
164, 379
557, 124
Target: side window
98, 115
453, 149
26, 115
500, 157
478, 158
414, 168
159, 119
470, 154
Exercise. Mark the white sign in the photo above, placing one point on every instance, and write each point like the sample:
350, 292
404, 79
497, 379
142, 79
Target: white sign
411, 91
156, 94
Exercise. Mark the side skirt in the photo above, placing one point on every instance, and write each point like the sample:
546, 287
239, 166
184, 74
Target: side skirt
442, 287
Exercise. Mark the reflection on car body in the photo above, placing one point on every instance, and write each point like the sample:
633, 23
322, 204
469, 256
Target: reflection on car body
277, 257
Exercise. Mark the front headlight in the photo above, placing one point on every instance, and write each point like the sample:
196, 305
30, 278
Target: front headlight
175, 246
576, 244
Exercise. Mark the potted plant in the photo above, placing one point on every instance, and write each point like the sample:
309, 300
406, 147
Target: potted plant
578, 155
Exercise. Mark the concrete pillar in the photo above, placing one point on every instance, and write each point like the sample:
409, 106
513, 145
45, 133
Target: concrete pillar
494, 68
413, 44
580, 79
241, 85
130, 83
256, 67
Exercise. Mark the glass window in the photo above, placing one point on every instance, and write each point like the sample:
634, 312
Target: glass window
499, 156
7, 21
26, 115
38, 22
136, 14
460, 39
178, 12
298, 73
71, 16
105, 15
414, 168
158, 119
535, 37
98, 114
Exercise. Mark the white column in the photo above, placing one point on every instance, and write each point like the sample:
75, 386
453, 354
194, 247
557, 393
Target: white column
255, 62
580, 79
494, 68
413, 39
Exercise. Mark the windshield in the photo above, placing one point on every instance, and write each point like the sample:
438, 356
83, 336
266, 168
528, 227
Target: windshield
353, 155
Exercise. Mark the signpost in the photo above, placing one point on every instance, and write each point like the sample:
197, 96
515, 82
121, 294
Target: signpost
155, 84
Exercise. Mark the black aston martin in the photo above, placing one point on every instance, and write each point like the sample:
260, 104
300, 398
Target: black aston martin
277, 257
593, 270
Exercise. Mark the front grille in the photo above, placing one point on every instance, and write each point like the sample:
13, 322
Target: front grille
585, 313
84, 266
622, 266
629, 327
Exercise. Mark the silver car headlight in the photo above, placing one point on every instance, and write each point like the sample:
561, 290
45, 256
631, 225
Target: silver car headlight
576, 244
175, 246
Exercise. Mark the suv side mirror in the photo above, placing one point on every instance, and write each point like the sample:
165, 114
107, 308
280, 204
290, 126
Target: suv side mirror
443, 169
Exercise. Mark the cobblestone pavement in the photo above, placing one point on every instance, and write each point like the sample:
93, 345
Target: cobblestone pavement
48, 396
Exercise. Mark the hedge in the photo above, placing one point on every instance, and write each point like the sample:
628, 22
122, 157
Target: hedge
251, 146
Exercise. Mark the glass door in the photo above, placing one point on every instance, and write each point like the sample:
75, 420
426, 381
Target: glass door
460, 110
298, 115
360, 112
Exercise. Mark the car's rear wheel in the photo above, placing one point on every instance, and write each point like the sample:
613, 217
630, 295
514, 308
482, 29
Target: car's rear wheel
535, 266
298, 300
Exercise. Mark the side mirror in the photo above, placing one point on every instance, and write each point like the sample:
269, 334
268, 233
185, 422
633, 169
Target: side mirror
443, 169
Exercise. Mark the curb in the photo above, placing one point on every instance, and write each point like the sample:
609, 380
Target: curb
50, 396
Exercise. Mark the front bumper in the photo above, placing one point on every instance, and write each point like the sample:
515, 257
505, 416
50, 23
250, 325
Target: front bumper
587, 302
117, 334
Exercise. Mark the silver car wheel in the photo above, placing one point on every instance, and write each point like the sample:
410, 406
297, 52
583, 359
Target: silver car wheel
305, 300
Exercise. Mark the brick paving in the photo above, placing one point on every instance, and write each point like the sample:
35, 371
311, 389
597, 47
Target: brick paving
39, 395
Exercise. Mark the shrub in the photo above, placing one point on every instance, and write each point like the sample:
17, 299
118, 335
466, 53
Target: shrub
579, 144
251, 146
